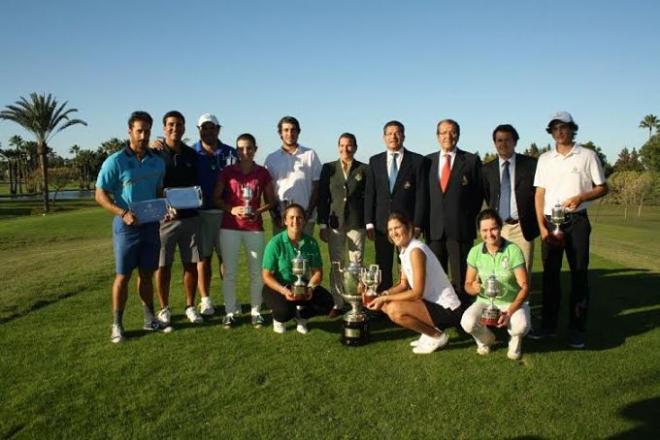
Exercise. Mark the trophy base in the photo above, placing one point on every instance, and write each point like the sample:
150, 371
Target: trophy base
355, 331
490, 317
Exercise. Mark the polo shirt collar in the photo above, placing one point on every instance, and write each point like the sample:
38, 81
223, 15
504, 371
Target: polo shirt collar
130, 153
503, 246
575, 150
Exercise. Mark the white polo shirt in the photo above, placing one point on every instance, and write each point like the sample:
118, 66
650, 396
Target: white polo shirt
565, 176
437, 288
293, 174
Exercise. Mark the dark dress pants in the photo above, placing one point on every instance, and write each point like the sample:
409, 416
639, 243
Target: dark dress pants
454, 253
285, 310
576, 234
384, 258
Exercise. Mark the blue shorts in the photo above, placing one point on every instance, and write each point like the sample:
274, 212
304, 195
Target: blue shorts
135, 246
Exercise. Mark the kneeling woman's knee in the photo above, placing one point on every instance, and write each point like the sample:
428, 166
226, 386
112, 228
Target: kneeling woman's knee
468, 322
392, 310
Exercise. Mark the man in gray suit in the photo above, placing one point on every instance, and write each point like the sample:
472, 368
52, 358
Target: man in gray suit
341, 211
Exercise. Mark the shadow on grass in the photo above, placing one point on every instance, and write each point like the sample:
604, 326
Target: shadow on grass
624, 303
647, 414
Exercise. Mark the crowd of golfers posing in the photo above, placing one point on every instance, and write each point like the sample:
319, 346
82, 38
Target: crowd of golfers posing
423, 211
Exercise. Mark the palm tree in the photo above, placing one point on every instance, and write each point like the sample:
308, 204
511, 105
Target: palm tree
43, 117
650, 122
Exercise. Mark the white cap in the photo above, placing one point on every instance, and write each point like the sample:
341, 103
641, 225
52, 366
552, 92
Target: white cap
561, 116
207, 117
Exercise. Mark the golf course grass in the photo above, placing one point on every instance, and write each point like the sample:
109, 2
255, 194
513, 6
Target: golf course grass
60, 377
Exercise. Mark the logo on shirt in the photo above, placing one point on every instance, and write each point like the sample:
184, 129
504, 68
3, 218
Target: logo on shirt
505, 263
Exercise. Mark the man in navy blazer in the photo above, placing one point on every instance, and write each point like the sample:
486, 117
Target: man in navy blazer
395, 182
517, 206
455, 197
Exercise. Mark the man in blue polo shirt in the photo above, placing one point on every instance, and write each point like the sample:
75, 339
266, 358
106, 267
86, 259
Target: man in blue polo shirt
212, 157
132, 174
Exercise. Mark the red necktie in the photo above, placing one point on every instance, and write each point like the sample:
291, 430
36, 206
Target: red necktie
446, 171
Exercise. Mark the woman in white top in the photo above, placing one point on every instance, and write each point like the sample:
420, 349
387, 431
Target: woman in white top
424, 300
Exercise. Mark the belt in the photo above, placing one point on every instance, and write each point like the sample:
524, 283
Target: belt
511, 221
570, 216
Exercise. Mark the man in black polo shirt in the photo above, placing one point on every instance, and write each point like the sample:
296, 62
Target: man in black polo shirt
183, 229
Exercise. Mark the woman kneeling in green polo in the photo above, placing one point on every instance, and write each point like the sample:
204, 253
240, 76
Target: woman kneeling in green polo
279, 279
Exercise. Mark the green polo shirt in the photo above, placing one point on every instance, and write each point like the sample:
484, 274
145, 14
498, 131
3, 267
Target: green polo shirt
507, 258
280, 251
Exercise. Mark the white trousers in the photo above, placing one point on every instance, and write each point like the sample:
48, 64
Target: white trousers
341, 242
514, 234
519, 323
230, 245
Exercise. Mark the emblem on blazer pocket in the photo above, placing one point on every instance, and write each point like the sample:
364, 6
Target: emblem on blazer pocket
407, 185
358, 176
464, 181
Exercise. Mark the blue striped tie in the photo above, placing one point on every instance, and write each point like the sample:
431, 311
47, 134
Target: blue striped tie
505, 193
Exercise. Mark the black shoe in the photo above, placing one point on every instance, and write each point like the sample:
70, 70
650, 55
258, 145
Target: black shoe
542, 333
576, 340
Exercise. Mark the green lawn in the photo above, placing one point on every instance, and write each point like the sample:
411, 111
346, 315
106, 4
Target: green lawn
61, 378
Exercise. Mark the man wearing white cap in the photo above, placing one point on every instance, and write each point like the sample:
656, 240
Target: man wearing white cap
571, 176
213, 156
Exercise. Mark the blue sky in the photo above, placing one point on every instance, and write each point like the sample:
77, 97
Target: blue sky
339, 66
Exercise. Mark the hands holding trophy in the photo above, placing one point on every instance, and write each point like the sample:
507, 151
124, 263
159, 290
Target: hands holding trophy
491, 315
370, 277
557, 218
299, 267
247, 194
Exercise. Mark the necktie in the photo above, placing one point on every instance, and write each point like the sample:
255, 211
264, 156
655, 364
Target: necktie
394, 170
446, 171
505, 193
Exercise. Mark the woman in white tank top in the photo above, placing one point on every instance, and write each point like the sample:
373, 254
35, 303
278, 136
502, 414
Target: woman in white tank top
424, 300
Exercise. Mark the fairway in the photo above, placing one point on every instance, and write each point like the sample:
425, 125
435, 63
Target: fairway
60, 377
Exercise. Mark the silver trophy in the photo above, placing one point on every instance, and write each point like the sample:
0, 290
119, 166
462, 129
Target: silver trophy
189, 197
247, 193
491, 314
558, 218
356, 330
371, 277
299, 266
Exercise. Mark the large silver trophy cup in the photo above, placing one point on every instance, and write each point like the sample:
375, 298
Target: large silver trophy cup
299, 268
356, 327
491, 314
247, 193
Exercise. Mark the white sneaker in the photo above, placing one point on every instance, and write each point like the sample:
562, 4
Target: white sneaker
278, 327
515, 351
193, 316
483, 350
117, 334
257, 320
165, 316
302, 326
415, 342
206, 307
429, 344
228, 321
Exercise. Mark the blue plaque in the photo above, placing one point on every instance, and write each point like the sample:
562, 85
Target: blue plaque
189, 197
149, 211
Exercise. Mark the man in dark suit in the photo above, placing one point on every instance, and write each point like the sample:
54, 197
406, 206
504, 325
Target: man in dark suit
509, 189
341, 211
455, 196
395, 182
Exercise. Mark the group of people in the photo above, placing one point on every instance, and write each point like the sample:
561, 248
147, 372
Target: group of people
394, 200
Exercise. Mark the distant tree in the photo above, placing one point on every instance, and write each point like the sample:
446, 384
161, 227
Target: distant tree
603, 159
489, 157
650, 121
628, 161
60, 178
42, 116
650, 154
630, 188
87, 164
533, 150
113, 145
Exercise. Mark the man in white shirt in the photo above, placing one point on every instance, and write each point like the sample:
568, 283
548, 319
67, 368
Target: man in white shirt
296, 171
571, 176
